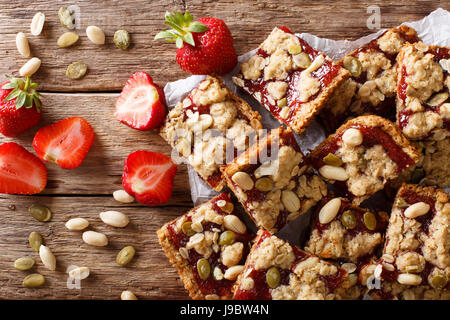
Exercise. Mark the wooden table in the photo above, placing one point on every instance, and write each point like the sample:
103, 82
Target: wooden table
87, 190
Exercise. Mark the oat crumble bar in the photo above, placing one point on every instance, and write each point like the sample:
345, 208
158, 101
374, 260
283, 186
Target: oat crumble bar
275, 189
372, 87
362, 156
417, 247
423, 104
290, 78
345, 232
206, 124
208, 245
276, 270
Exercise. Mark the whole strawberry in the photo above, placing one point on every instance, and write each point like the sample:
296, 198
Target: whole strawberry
204, 46
20, 106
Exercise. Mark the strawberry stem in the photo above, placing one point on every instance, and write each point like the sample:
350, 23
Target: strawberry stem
27, 84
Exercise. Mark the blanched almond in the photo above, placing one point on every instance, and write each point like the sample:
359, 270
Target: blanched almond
22, 45
77, 224
127, 295
47, 257
122, 196
329, 211
30, 68
233, 272
114, 218
243, 180
409, 279
352, 137
290, 200
95, 238
95, 34
37, 24
416, 210
233, 223
333, 173
79, 273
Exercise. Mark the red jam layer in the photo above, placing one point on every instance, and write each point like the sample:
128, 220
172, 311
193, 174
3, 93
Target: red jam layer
210, 285
359, 215
325, 74
371, 136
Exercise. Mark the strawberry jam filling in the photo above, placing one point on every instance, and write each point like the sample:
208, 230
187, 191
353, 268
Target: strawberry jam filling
325, 74
180, 239
261, 290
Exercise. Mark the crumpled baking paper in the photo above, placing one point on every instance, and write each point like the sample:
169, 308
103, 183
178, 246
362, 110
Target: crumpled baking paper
433, 29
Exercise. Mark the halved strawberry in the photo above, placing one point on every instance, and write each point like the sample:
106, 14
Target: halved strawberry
141, 105
148, 176
21, 172
66, 142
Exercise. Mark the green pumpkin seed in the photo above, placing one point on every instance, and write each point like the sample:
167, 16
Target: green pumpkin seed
125, 255
332, 160
65, 17
33, 280
353, 65
370, 220
76, 70
35, 240
203, 268
122, 39
302, 60
226, 238
294, 49
348, 219
273, 277
264, 184
438, 282
353, 279
67, 39
186, 227
228, 207
401, 203
24, 263
282, 103
40, 212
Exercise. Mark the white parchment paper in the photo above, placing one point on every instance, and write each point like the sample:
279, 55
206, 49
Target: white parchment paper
433, 29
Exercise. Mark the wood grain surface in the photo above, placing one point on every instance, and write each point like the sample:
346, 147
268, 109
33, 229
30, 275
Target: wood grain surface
86, 191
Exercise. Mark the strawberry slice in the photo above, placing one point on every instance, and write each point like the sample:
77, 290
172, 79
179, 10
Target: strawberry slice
66, 142
141, 105
21, 172
148, 176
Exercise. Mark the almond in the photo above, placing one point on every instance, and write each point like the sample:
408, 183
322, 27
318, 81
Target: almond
115, 219
352, 137
30, 67
77, 224
233, 272
233, 223
37, 24
329, 211
47, 257
127, 295
243, 180
95, 238
333, 173
79, 273
290, 200
409, 279
122, 196
22, 45
416, 210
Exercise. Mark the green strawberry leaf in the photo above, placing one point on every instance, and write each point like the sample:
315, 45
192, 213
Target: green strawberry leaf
21, 99
13, 94
164, 34
188, 38
28, 101
37, 103
179, 43
188, 17
197, 27
10, 85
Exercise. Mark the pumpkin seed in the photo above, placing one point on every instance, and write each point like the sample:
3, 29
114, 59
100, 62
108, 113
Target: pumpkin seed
125, 255
264, 184
228, 207
302, 60
40, 212
226, 238
122, 39
95, 34
67, 39
273, 277
24, 263
203, 268
348, 219
332, 160
187, 228
33, 280
65, 17
370, 220
282, 103
76, 70
353, 65
35, 240
401, 203
438, 282
294, 49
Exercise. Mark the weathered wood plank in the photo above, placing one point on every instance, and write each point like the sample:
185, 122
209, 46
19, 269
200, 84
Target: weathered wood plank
101, 171
109, 67
149, 275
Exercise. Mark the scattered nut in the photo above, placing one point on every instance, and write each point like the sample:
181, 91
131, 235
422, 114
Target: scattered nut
76, 70
33, 280
122, 39
409, 279
37, 24
352, 137
333, 173
35, 241
22, 45
115, 219
290, 200
125, 256
95, 34
77, 224
233, 272
233, 223
47, 257
353, 65
67, 39
243, 180
332, 160
66, 19
40, 212
24, 263
264, 184
416, 210
95, 238
30, 67
122, 196
127, 295
329, 211
79, 273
